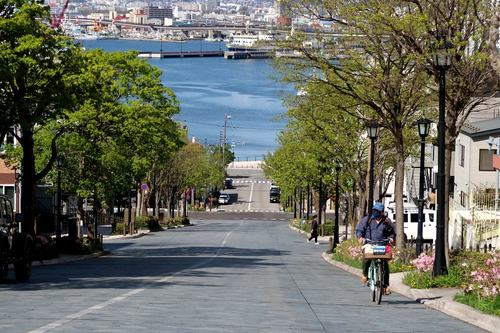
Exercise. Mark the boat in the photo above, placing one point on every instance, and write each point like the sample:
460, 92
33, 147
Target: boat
250, 42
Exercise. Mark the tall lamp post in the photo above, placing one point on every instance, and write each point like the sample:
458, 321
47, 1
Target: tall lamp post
442, 61
59, 163
495, 142
372, 131
336, 227
226, 118
423, 130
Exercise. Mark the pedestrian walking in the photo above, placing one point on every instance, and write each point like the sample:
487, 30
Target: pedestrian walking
314, 230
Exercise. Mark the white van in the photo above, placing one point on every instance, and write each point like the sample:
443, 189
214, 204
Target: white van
410, 219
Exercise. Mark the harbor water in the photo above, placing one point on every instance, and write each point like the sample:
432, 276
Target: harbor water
210, 88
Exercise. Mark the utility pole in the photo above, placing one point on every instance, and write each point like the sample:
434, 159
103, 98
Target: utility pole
226, 118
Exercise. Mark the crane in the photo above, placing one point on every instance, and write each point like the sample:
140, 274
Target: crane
57, 19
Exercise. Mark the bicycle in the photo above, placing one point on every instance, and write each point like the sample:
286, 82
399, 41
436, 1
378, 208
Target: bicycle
376, 270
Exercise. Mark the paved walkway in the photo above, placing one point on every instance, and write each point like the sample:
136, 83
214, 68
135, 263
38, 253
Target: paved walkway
437, 298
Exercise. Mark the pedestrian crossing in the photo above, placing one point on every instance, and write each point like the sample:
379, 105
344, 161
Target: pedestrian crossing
249, 211
251, 181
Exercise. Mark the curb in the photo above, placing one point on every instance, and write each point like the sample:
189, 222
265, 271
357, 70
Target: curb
442, 302
138, 235
68, 259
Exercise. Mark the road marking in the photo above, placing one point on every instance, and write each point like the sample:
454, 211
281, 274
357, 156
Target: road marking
250, 200
80, 314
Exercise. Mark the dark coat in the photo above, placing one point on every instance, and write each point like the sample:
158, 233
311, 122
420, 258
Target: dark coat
375, 231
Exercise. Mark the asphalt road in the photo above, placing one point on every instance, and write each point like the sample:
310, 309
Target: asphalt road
250, 192
214, 276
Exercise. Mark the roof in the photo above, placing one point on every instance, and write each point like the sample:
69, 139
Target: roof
482, 129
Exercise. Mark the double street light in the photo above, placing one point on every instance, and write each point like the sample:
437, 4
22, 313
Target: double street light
442, 61
372, 128
423, 130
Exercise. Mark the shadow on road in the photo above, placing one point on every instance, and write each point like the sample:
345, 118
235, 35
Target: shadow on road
146, 266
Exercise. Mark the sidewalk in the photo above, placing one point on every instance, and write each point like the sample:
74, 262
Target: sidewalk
440, 299
64, 258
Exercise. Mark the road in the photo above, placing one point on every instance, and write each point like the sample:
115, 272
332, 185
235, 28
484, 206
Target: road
237, 270
214, 276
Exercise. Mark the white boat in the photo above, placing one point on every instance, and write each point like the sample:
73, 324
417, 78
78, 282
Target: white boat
249, 42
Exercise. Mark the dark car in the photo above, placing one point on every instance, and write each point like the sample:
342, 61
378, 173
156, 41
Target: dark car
228, 183
274, 194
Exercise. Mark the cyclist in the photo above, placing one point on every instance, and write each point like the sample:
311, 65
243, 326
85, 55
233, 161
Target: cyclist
376, 227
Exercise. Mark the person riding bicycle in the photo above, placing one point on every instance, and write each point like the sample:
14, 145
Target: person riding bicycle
376, 227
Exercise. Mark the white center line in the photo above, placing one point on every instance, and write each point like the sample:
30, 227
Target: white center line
80, 314
250, 200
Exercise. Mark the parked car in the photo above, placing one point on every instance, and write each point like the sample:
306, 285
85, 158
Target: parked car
224, 198
228, 183
274, 194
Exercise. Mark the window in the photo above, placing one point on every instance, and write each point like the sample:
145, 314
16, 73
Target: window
414, 217
9, 192
463, 199
485, 160
462, 155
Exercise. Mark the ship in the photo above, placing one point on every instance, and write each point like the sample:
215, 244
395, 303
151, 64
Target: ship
251, 43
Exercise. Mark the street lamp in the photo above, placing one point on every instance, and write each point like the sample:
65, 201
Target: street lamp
226, 118
59, 162
423, 130
336, 227
372, 131
495, 142
442, 61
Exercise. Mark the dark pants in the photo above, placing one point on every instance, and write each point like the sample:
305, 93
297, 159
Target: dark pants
314, 234
366, 266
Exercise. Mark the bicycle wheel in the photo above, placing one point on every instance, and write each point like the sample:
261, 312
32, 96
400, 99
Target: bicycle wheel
379, 287
373, 279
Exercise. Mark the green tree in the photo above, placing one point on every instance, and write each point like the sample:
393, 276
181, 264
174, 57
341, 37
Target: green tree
36, 64
379, 77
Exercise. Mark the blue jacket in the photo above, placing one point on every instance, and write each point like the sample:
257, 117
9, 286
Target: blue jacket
375, 231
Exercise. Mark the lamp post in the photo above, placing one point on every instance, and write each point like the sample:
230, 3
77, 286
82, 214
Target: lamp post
372, 131
226, 118
442, 61
336, 227
423, 130
59, 163
495, 142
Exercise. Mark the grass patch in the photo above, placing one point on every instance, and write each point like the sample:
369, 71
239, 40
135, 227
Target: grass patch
348, 261
487, 305
425, 280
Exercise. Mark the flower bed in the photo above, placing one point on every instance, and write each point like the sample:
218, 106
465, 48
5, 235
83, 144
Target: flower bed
477, 273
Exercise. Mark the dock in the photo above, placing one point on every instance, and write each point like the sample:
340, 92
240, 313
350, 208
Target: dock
183, 54
233, 55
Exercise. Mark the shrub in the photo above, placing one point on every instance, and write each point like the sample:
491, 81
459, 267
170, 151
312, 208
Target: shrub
148, 222
424, 262
485, 281
44, 248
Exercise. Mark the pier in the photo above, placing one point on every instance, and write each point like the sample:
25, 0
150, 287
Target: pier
183, 54
197, 54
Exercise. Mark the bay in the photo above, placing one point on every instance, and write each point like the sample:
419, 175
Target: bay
208, 89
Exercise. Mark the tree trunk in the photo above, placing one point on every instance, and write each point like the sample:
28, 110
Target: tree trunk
28, 181
398, 194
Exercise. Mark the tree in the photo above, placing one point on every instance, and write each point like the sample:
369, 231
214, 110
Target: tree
469, 31
35, 65
122, 131
378, 76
